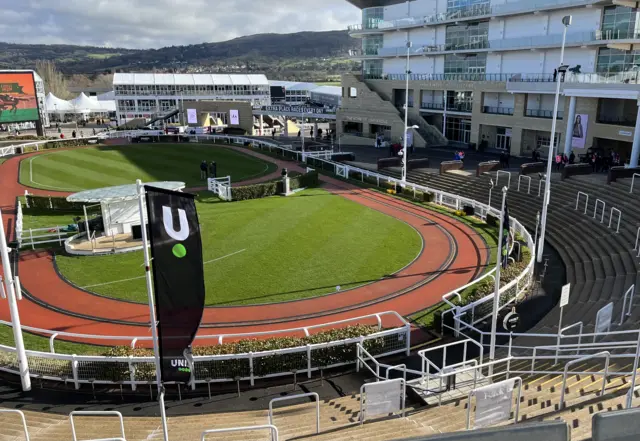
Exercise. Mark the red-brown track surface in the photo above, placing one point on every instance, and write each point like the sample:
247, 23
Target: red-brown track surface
453, 255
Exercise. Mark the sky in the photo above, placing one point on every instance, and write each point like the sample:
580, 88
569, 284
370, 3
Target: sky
141, 24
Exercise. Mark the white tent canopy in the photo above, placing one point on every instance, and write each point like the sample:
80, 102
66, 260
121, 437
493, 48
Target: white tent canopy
57, 105
82, 104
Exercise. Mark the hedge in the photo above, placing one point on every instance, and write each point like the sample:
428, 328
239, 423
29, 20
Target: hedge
56, 203
262, 366
258, 191
55, 145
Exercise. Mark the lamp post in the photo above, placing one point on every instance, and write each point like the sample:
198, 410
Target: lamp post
404, 152
496, 294
566, 21
406, 113
491, 185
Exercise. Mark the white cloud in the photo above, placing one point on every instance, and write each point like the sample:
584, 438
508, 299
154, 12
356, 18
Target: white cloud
159, 23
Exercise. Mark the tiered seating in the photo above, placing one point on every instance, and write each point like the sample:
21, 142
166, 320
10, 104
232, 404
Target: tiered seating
600, 264
339, 417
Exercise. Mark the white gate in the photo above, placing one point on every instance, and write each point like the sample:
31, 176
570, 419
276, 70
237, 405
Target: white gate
342, 171
221, 187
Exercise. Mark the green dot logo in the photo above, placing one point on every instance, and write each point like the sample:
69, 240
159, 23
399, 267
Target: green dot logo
179, 250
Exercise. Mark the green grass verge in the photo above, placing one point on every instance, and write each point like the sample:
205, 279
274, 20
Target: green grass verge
35, 342
271, 250
3, 160
104, 166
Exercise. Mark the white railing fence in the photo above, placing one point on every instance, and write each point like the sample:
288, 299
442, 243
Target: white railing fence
100, 414
221, 187
7, 151
528, 178
633, 181
297, 397
23, 421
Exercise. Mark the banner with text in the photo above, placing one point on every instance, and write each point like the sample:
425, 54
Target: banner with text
178, 277
579, 135
234, 117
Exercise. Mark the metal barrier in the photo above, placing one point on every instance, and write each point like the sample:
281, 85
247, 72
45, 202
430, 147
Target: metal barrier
611, 218
540, 184
363, 395
605, 354
508, 175
529, 181
97, 413
595, 210
561, 336
633, 180
505, 382
294, 397
7, 151
24, 421
630, 293
274, 431
637, 240
586, 202
221, 187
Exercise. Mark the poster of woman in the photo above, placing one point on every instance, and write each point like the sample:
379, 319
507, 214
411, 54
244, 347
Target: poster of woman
579, 134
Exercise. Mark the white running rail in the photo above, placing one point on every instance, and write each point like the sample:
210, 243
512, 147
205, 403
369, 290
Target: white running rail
24, 421
7, 151
586, 201
96, 413
295, 397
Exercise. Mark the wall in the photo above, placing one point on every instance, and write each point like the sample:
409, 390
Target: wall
245, 112
572, 57
395, 12
396, 66
423, 36
520, 62
395, 39
584, 19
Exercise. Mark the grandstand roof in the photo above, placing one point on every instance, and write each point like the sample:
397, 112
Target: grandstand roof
371, 3
188, 79
311, 87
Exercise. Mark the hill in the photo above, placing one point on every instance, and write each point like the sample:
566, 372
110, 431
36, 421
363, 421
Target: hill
286, 55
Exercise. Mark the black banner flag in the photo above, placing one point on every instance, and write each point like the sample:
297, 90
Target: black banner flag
178, 276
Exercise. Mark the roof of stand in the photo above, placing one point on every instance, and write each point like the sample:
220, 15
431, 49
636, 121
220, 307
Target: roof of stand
120, 193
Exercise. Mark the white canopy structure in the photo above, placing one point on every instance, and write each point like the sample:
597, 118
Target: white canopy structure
80, 105
57, 105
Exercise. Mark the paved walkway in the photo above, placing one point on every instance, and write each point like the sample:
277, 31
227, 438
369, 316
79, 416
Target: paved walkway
454, 254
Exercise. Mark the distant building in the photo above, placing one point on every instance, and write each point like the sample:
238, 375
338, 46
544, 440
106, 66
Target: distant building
145, 95
298, 93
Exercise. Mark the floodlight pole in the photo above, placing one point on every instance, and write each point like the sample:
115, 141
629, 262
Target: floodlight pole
152, 310
566, 21
406, 115
23, 363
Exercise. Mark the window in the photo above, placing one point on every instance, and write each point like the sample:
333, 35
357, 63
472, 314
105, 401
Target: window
619, 22
465, 63
477, 5
371, 44
459, 101
353, 92
372, 68
544, 141
467, 36
371, 17
617, 60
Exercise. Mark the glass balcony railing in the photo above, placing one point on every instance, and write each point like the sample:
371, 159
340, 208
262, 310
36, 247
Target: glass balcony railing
460, 107
497, 110
432, 106
617, 121
471, 12
539, 113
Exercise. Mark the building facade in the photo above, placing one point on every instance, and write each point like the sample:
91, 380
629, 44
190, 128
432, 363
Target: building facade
298, 94
146, 95
483, 72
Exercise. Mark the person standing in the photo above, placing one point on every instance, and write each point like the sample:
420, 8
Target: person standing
203, 170
558, 161
73, 134
213, 169
572, 158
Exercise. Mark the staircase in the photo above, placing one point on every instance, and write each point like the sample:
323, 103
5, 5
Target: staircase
339, 417
429, 133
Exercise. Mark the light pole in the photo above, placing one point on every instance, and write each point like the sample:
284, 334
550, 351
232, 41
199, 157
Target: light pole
491, 185
496, 294
404, 152
566, 21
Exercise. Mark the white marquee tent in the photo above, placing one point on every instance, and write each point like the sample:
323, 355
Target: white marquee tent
81, 105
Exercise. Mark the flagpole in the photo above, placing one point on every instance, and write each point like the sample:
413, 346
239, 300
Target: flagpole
496, 294
152, 310
23, 364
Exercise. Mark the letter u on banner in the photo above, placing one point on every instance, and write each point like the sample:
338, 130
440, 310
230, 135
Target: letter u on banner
178, 276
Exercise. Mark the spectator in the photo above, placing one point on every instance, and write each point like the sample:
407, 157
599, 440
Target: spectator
203, 170
507, 158
558, 162
593, 162
213, 169
461, 155
73, 134
572, 158
62, 136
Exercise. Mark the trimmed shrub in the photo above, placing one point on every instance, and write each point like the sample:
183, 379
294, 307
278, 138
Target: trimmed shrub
493, 221
308, 180
56, 203
262, 366
256, 191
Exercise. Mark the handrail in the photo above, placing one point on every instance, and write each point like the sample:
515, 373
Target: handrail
399, 367
632, 391
293, 397
526, 177
611, 218
630, 292
498, 177
595, 210
605, 354
637, 240
586, 202
474, 392
95, 413
633, 180
359, 349
274, 430
24, 421
542, 181
444, 347
580, 325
